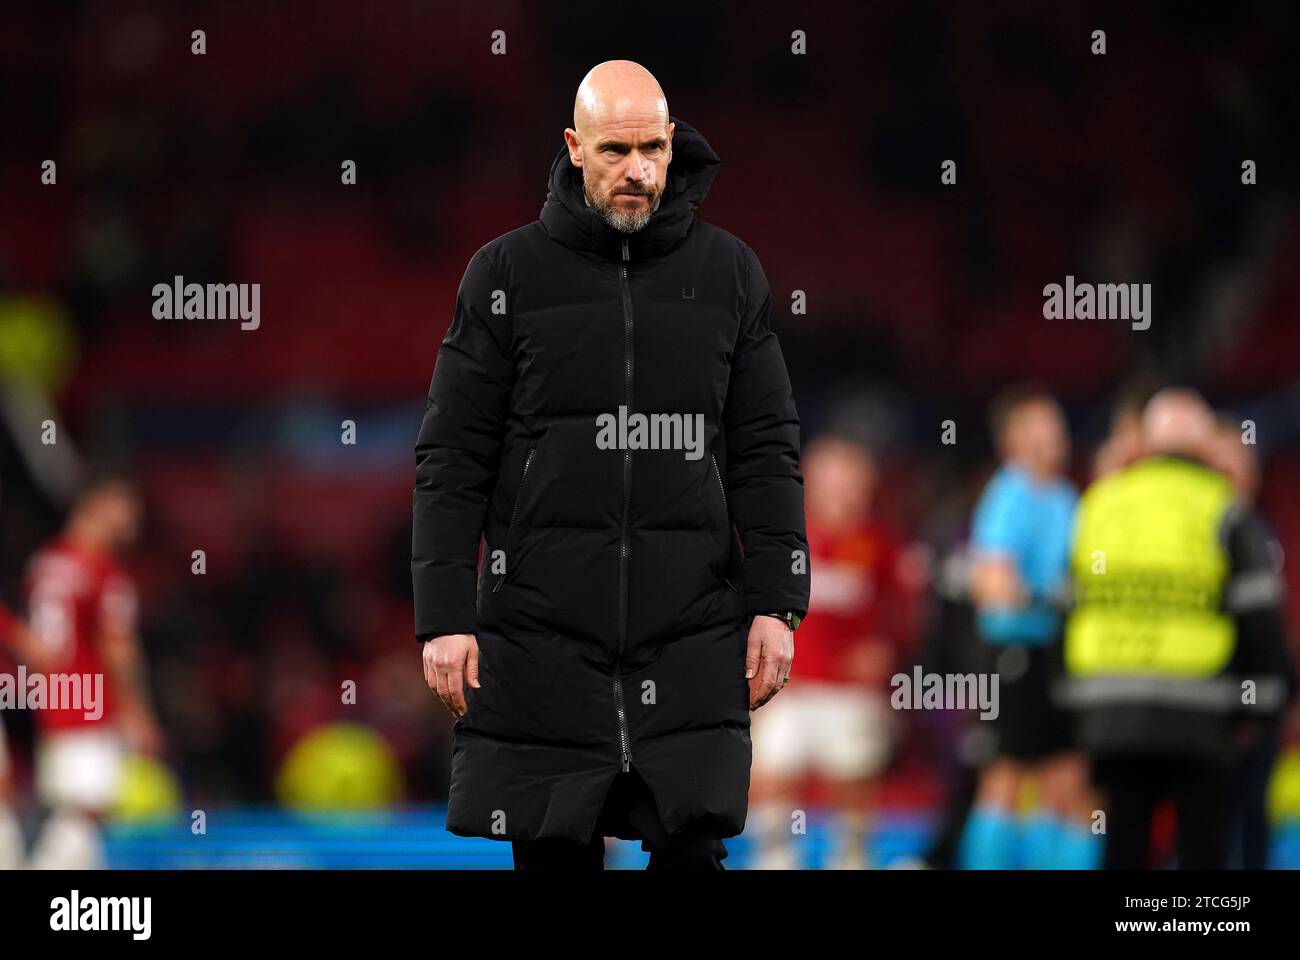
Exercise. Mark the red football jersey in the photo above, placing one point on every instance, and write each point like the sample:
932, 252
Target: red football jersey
73, 595
856, 595
6, 624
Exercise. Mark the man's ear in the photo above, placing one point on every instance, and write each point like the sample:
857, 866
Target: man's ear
672, 127
574, 144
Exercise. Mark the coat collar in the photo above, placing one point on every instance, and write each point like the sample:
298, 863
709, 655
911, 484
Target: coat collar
569, 220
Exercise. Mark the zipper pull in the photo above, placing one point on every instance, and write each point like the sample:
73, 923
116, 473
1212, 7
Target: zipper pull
626, 258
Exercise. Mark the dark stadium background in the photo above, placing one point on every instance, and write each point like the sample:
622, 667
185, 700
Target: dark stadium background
923, 300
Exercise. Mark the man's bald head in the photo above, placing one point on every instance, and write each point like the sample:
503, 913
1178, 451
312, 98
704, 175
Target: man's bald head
1178, 421
621, 140
617, 89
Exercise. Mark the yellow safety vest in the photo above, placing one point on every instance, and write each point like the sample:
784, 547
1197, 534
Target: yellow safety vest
1148, 571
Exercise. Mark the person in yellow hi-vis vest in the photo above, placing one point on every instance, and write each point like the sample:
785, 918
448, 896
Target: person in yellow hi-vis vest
1176, 637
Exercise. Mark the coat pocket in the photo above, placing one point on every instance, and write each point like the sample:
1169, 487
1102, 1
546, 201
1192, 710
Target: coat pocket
514, 513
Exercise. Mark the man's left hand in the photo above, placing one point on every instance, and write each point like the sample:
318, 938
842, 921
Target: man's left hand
768, 658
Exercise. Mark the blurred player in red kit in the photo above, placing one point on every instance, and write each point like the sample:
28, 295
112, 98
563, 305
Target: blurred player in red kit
82, 609
834, 718
14, 636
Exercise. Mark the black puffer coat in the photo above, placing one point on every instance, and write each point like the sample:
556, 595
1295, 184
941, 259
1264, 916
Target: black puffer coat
616, 635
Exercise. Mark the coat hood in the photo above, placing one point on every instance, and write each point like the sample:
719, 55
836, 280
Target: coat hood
569, 220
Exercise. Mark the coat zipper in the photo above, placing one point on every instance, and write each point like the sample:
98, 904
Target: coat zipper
723, 488
622, 724
514, 513
623, 737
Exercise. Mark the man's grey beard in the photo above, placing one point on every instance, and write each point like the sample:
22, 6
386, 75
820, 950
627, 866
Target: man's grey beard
629, 222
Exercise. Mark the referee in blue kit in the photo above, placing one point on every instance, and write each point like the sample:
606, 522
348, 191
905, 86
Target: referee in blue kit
1020, 548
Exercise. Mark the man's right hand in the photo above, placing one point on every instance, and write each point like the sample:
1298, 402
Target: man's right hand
448, 662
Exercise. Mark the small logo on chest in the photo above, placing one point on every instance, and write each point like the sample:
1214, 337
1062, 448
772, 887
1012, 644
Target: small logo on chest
688, 293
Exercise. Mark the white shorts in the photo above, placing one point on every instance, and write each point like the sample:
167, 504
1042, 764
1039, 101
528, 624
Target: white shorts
81, 769
837, 731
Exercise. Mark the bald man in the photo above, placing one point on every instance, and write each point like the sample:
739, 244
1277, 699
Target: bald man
611, 415
1176, 647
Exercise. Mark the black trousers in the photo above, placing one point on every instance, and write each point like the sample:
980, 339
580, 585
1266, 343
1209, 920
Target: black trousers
1135, 786
1249, 831
629, 812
